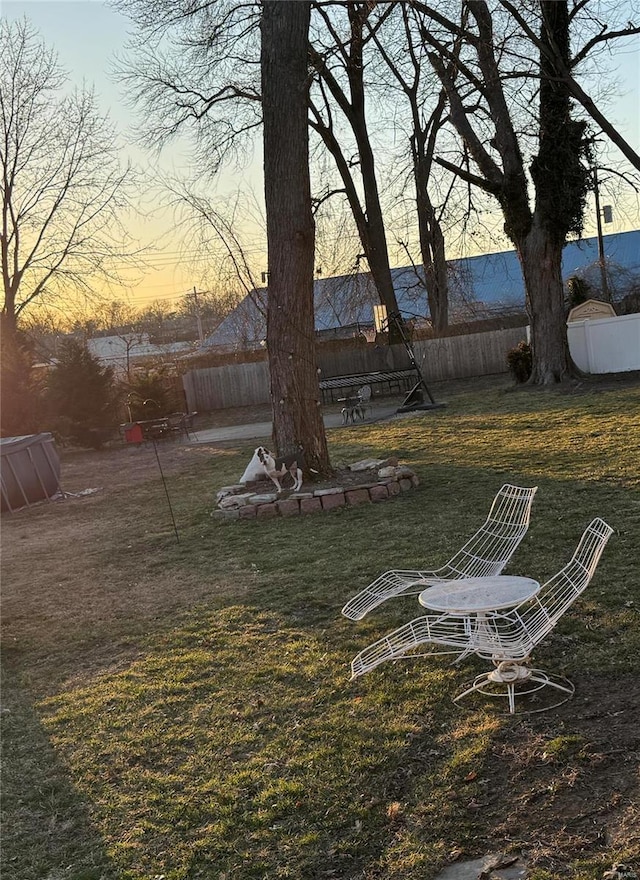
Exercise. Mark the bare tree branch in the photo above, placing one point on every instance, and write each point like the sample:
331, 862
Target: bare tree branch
577, 92
474, 179
62, 189
603, 37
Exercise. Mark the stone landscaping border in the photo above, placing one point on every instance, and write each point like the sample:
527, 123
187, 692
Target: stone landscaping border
390, 480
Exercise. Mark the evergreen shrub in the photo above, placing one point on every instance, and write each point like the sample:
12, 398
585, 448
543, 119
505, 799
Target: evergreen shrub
82, 397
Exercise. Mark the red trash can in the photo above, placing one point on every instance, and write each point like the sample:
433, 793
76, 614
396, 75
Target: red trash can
133, 433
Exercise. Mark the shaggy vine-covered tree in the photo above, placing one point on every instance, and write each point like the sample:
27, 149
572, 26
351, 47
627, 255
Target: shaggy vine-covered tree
62, 188
295, 394
482, 98
602, 33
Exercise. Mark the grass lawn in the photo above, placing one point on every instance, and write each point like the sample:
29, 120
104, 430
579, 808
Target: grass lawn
184, 710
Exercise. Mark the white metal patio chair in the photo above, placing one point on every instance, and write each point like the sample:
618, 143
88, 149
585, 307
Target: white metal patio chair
484, 555
181, 425
364, 401
507, 638
188, 425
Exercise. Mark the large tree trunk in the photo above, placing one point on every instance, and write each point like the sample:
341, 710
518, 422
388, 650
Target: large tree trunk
541, 259
295, 394
561, 182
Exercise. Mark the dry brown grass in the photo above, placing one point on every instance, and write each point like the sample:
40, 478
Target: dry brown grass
184, 710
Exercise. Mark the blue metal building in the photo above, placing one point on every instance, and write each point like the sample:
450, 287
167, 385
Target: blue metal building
479, 287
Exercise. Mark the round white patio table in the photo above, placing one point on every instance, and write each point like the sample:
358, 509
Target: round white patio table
478, 594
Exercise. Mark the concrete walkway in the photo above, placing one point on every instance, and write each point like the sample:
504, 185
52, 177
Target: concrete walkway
262, 430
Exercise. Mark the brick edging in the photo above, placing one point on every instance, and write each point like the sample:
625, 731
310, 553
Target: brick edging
324, 500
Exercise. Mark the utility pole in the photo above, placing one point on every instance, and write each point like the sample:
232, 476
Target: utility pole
607, 218
197, 314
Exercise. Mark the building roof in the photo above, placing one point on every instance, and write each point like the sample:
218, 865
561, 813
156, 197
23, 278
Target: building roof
113, 349
478, 285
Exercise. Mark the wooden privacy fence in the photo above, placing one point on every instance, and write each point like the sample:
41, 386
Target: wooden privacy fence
227, 386
353, 360
453, 357
460, 357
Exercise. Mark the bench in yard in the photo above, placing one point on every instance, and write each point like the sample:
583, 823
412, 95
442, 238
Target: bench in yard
390, 382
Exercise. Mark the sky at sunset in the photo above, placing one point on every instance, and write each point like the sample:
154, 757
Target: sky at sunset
87, 35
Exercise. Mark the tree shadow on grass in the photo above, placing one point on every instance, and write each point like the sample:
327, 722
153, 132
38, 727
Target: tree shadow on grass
235, 746
46, 827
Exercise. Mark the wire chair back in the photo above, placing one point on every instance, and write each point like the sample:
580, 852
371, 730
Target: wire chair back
487, 552
560, 591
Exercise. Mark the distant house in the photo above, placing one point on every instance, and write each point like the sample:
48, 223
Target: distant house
479, 287
121, 351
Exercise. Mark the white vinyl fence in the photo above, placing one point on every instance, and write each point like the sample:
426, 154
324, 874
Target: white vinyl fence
454, 357
606, 345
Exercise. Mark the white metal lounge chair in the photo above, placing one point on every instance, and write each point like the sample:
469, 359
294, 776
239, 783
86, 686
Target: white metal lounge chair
484, 555
505, 637
364, 401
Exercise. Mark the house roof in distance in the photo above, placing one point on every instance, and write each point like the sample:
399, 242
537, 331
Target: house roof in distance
492, 281
111, 349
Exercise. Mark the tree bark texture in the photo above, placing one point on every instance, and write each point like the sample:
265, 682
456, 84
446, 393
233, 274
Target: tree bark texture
540, 257
561, 183
295, 394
